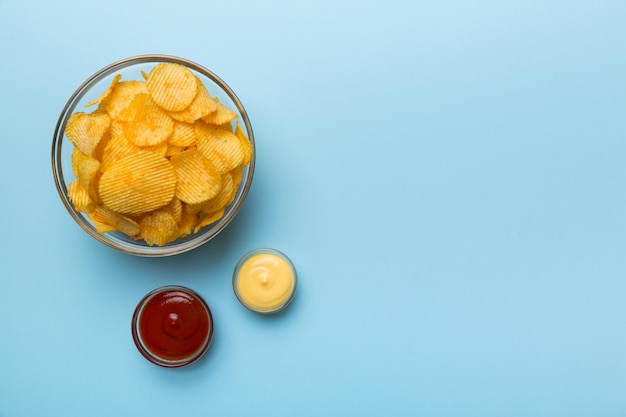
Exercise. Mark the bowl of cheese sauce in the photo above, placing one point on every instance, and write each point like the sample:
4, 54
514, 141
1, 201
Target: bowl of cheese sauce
265, 280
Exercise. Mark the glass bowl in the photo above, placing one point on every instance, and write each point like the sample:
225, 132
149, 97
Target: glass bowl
265, 280
93, 87
172, 326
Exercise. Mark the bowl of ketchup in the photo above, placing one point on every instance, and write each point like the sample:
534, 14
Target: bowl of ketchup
172, 326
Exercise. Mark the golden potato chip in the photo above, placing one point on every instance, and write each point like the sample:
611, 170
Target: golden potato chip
183, 135
218, 202
137, 183
86, 130
173, 150
172, 86
245, 144
198, 179
201, 106
77, 155
102, 227
118, 146
207, 219
99, 150
176, 208
219, 146
159, 227
122, 95
146, 123
86, 169
144, 75
187, 223
237, 175
115, 220
226, 126
106, 93
221, 115
79, 197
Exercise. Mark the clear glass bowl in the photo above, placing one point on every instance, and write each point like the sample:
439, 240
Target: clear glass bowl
261, 273
160, 305
131, 69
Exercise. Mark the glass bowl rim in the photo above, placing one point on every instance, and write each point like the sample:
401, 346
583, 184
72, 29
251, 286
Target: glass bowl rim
281, 255
129, 247
137, 334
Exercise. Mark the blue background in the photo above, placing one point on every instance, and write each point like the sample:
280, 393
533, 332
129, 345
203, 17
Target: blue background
448, 178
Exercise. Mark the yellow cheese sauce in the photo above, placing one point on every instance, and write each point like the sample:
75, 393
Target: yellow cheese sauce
265, 280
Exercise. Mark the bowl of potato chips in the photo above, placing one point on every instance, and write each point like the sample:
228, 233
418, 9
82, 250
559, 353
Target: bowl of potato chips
153, 155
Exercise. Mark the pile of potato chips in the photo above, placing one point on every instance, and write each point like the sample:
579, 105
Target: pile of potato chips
157, 159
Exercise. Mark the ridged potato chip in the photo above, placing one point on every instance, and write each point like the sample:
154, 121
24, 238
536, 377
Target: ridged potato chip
106, 93
187, 223
201, 106
207, 219
176, 208
183, 135
146, 124
198, 179
138, 183
79, 197
218, 202
221, 115
172, 86
86, 130
87, 168
219, 146
159, 227
245, 144
115, 221
173, 150
122, 95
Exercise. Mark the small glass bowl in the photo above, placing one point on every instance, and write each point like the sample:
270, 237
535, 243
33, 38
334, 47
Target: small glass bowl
236, 275
172, 293
131, 69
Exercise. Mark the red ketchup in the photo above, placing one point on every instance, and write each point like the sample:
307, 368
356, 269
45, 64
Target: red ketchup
172, 326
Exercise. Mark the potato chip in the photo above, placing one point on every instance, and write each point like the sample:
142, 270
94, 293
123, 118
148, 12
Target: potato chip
201, 106
172, 86
245, 144
122, 95
99, 150
187, 223
207, 219
237, 175
159, 227
137, 183
221, 115
76, 156
106, 93
219, 146
198, 179
86, 130
102, 227
146, 124
218, 202
183, 135
115, 220
118, 146
79, 197
86, 169
176, 207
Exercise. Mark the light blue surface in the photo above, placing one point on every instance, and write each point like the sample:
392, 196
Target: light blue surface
448, 177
